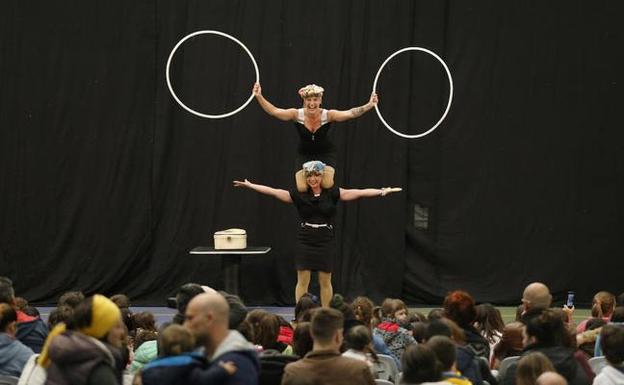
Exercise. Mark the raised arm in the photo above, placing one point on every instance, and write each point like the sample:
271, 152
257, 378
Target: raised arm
355, 112
280, 113
353, 194
282, 195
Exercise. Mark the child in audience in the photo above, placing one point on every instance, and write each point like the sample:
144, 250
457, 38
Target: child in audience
612, 343
179, 365
358, 342
445, 351
397, 338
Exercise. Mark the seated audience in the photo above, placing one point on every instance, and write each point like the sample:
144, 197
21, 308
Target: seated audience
617, 319
324, 364
358, 344
394, 336
510, 344
266, 327
547, 333
612, 343
551, 378
13, 354
603, 305
420, 366
178, 364
445, 352
208, 318
363, 311
31, 331
90, 349
302, 339
489, 323
531, 366
459, 307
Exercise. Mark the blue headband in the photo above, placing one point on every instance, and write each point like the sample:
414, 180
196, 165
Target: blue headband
313, 166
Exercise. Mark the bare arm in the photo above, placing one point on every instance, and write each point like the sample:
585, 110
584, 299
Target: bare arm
355, 112
353, 194
280, 113
280, 194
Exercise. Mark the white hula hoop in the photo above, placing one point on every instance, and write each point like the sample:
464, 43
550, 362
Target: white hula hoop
448, 106
192, 111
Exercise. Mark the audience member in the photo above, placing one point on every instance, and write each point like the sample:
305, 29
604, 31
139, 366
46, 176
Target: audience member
266, 327
306, 303
489, 323
207, 316
178, 364
363, 311
144, 320
184, 295
420, 366
536, 296
90, 350
510, 344
71, 299
546, 333
459, 307
13, 354
612, 343
531, 366
61, 314
394, 336
358, 344
302, 339
617, 319
603, 305
324, 364
31, 331
551, 378
445, 351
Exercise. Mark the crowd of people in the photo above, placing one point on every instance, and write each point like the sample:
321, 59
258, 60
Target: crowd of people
215, 339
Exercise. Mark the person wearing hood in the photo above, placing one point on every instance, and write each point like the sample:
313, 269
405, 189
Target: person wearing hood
546, 333
88, 350
31, 331
13, 354
207, 317
612, 341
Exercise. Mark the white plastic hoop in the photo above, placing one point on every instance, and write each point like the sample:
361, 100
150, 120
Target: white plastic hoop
448, 106
192, 111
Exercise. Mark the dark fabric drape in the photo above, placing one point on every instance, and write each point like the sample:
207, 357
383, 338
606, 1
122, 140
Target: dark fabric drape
106, 183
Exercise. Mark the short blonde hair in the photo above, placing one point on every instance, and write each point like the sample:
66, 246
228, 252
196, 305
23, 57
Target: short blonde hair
311, 90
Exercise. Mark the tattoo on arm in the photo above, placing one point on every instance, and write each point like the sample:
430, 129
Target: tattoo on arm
358, 111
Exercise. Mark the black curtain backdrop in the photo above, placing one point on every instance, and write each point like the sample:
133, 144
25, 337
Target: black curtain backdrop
107, 183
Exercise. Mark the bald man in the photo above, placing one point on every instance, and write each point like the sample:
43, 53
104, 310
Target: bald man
536, 296
207, 317
551, 378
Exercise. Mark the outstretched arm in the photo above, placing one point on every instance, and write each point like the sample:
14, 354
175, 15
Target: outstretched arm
353, 194
355, 112
282, 195
280, 113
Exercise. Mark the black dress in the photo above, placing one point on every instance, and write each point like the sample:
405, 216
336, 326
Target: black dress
316, 246
315, 146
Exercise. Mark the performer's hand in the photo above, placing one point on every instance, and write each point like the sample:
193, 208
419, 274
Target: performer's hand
387, 190
374, 99
257, 90
245, 183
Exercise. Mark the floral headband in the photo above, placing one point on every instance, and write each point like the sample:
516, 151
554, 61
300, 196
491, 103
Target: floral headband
313, 166
311, 90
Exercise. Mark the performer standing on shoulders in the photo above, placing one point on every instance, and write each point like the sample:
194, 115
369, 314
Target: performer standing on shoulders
312, 124
316, 247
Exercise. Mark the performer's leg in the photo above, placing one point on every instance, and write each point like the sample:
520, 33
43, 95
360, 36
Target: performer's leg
303, 281
327, 291
328, 177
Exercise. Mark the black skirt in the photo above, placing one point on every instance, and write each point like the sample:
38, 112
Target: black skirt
316, 249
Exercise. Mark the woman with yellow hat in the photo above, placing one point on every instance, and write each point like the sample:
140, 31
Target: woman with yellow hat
313, 126
316, 248
89, 349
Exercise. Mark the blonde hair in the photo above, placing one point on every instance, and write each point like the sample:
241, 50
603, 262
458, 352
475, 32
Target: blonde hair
311, 90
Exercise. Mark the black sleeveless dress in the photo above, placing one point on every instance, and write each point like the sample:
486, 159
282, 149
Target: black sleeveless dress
315, 146
316, 247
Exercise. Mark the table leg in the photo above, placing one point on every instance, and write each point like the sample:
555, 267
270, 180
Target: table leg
230, 266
